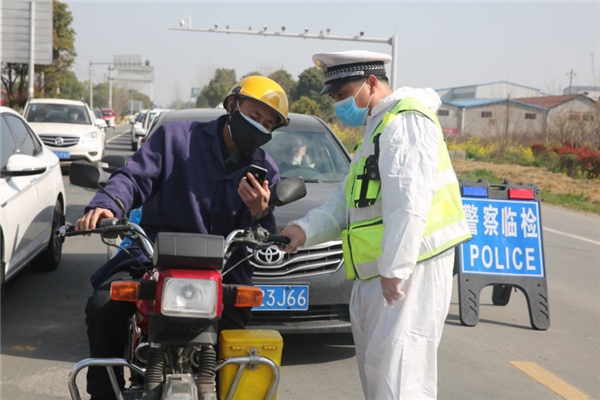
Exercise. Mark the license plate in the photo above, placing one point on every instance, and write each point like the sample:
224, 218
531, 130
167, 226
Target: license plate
63, 155
283, 298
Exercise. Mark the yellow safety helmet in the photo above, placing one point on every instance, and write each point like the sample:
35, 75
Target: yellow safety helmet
265, 90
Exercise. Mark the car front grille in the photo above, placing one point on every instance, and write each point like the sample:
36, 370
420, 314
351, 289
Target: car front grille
325, 313
315, 260
59, 140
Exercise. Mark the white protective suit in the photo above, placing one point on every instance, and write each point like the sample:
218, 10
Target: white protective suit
396, 347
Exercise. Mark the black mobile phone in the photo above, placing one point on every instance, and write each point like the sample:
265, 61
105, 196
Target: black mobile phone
259, 173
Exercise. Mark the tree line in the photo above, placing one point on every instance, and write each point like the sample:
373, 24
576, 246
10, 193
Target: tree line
303, 94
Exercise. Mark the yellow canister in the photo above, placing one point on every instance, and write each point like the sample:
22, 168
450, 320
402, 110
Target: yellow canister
254, 384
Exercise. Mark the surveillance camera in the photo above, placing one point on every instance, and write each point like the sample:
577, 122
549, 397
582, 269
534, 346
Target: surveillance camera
226, 26
362, 33
328, 30
249, 28
216, 26
283, 29
305, 30
265, 27
182, 22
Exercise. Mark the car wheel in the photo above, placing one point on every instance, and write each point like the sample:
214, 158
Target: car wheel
50, 258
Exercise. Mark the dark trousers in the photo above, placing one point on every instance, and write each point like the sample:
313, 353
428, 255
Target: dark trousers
107, 328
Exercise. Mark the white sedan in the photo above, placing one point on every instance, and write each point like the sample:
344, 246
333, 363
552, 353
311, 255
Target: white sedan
68, 128
32, 199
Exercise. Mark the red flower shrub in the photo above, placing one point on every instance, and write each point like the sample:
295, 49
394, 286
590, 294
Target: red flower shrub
574, 159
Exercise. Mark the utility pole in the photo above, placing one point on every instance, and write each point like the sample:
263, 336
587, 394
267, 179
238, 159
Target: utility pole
393, 41
30, 89
91, 88
110, 68
571, 81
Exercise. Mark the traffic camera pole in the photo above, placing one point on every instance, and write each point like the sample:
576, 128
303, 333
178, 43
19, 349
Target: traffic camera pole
393, 41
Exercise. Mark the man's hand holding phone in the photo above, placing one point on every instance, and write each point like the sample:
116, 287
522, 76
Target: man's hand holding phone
254, 189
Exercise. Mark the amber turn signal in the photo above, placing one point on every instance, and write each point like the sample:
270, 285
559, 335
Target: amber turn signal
248, 296
125, 291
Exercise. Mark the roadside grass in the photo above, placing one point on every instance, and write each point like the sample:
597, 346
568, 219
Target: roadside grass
571, 200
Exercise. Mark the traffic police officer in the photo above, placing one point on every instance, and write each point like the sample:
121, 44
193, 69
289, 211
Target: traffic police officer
400, 215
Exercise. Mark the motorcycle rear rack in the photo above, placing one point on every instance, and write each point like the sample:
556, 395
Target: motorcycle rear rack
251, 361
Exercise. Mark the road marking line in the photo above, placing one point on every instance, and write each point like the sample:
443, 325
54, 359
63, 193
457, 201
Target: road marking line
116, 137
549, 380
571, 236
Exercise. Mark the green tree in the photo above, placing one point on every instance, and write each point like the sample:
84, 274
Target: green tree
286, 81
216, 90
14, 76
253, 73
306, 106
63, 50
310, 83
71, 88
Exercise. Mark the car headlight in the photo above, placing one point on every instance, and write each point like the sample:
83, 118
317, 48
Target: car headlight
90, 137
189, 298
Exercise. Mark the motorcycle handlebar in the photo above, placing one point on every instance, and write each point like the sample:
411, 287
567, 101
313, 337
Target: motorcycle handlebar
69, 230
276, 239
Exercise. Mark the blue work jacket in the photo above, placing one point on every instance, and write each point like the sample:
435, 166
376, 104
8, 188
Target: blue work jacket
181, 178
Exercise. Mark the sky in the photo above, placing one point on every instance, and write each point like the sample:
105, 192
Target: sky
440, 44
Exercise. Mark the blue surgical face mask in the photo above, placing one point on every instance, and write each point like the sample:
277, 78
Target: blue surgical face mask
348, 113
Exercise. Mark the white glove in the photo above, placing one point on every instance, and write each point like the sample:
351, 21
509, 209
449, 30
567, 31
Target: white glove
390, 287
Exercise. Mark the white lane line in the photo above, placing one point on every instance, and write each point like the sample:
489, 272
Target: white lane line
572, 236
116, 137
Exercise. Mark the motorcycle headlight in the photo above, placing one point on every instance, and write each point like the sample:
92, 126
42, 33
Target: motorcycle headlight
90, 137
189, 298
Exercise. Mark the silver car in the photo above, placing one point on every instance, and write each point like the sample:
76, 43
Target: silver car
305, 292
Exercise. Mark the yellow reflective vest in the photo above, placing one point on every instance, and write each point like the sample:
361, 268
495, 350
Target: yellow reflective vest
445, 227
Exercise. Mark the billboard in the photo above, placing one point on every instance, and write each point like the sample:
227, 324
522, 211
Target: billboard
15, 31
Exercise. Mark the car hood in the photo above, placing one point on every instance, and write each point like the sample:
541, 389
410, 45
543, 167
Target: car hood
44, 128
316, 195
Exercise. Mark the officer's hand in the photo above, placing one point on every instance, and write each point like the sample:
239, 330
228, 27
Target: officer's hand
90, 219
391, 290
296, 235
257, 197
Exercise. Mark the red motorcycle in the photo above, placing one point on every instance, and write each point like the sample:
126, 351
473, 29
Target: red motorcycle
172, 352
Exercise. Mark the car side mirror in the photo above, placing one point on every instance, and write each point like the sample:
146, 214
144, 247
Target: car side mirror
113, 162
132, 121
87, 175
22, 165
287, 191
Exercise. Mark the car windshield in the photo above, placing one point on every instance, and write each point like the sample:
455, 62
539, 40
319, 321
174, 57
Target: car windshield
107, 113
97, 113
314, 155
58, 113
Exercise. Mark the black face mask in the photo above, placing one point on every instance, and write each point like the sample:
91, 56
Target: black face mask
246, 136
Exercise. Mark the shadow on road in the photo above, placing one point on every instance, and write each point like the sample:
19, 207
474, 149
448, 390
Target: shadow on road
316, 349
43, 312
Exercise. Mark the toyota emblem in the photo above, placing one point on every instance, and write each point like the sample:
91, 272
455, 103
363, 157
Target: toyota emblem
269, 256
58, 141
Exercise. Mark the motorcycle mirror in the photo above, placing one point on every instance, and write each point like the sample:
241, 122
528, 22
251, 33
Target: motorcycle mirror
87, 175
114, 161
287, 190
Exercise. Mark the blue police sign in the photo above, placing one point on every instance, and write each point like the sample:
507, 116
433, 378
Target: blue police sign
507, 238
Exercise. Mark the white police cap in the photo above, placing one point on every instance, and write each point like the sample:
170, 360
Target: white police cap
344, 66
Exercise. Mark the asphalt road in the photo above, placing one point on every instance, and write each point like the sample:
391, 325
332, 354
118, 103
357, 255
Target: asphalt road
43, 329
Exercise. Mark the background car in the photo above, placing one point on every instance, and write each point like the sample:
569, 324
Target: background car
71, 140
32, 196
140, 128
317, 270
109, 116
99, 120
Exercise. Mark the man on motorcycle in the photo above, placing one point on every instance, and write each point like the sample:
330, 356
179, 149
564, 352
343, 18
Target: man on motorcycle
190, 177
